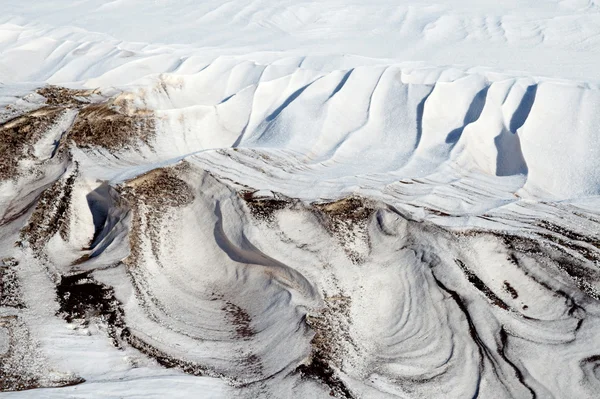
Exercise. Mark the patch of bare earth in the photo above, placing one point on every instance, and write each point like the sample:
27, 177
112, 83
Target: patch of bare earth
242, 322
50, 215
82, 300
240, 319
149, 196
347, 219
331, 326
10, 286
108, 126
21, 365
18, 135
262, 208
57, 96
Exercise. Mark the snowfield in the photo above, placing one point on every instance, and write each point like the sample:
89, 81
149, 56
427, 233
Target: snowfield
282, 199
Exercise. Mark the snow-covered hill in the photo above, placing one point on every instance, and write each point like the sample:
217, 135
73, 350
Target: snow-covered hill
285, 199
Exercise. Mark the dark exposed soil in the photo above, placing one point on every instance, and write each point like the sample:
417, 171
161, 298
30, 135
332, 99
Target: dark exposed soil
103, 125
17, 136
168, 361
320, 370
508, 288
10, 287
331, 327
582, 272
480, 285
81, 298
355, 209
265, 208
149, 196
50, 215
240, 319
571, 235
343, 218
160, 188
57, 96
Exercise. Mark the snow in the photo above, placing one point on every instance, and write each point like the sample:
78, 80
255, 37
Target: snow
335, 198
550, 38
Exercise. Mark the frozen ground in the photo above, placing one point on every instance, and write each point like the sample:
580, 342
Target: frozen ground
299, 199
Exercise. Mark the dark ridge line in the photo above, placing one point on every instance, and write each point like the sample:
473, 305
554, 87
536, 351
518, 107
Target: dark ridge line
481, 286
318, 369
573, 306
579, 273
518, 373
590, 362
55, 212
472, 330
484, 352
511, 290
579, 249
80, 293
570, 234
167, 361
10, 285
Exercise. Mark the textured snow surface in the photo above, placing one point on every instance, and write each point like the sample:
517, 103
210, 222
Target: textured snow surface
541, 37
282, 199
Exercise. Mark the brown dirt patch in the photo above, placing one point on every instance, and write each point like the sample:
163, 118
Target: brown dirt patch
240, 319
18, 135
21, 367
50, 215
331, 326
10, 287
347, 220
265, 208
149, 195
103, 125
57, 96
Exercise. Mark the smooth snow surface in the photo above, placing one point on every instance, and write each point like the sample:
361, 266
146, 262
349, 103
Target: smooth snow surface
542, 37
283, 199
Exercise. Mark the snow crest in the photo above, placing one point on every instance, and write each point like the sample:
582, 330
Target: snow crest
225, 208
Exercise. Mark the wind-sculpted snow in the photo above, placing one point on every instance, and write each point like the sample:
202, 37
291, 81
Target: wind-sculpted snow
122, 40
200, 200
359, 233
403, 122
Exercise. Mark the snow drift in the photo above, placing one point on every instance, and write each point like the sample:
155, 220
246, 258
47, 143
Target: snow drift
281, 225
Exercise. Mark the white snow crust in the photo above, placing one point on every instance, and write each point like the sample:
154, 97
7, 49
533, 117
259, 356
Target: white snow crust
358, 199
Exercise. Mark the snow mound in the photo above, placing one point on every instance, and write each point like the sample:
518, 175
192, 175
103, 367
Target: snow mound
279, 199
